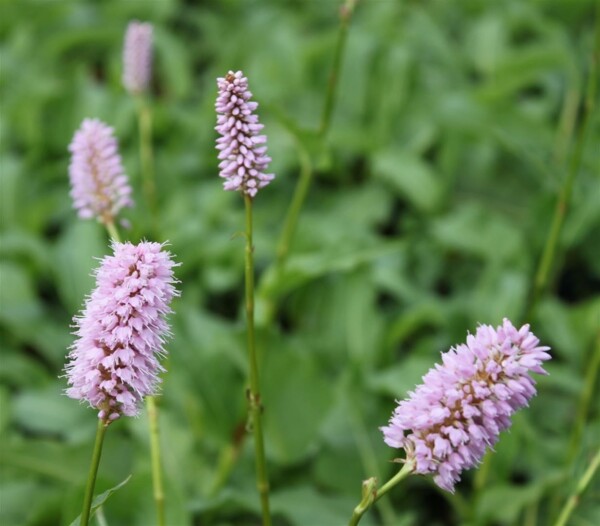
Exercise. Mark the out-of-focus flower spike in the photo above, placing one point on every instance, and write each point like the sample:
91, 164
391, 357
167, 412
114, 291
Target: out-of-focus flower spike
137, 57
99, 186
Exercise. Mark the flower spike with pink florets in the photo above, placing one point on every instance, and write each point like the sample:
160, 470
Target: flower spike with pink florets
121, 332
99, 186
137, 57
243, 152
449, 421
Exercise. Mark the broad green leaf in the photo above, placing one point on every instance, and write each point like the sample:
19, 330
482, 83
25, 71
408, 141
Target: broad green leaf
76, 256
99, 500
19, 304
411, 177
297, 396
49, 411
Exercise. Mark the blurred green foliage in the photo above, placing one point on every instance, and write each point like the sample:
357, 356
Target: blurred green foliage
432, 200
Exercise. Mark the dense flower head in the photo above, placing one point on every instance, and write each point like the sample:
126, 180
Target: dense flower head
463, 404
121, 332
99, 186
243, 151
137, 57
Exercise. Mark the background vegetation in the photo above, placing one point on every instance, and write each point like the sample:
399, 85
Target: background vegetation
454, 129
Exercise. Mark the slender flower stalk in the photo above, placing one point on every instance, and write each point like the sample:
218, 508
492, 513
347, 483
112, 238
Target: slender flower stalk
99, 186
121, 333
371, 494
137, 75
293, 213
346, 12
91, 481
305, 179
564, 198
242, 152
254, 398
580, 488
155, 460
147, 153
111, 228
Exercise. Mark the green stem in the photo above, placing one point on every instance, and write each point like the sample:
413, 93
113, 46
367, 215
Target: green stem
330, 97
112, 230
306, 168
254, 399
291, 219
369, 459
100, 517
91, 481
581, 486
371, 496
157, 485
146, 154
564, 198
584, 404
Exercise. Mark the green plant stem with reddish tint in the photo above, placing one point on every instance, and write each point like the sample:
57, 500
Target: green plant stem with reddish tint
371, 494
91, 480
254, 398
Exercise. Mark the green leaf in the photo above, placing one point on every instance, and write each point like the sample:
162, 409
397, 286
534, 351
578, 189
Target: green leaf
304, 268
75, 260
49, 411
18, 301
304, 505
479, 231
99, 500
295, 404
410, 177
397, 380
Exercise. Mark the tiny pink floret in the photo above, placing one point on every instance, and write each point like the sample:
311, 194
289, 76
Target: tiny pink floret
122, 329
458, 412
99, 186
242, 150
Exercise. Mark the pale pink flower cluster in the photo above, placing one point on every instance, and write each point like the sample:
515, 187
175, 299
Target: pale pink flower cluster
121, 332
448, 422
243, 151
99, 186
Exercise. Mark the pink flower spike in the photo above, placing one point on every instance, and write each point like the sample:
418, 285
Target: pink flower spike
242, 151
459, 410
121, 331
137, 57
99, 186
